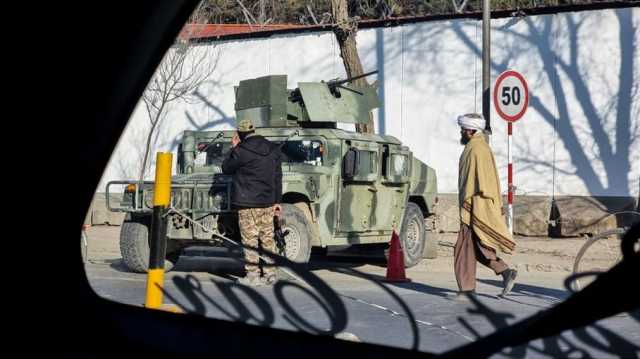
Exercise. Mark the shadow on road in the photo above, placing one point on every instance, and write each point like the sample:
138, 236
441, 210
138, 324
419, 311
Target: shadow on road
528, 290
416, 286
573, 313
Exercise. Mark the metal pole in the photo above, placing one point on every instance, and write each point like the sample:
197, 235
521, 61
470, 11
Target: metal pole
486, 63
510, 178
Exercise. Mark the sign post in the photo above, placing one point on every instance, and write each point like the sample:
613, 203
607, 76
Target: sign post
511, 99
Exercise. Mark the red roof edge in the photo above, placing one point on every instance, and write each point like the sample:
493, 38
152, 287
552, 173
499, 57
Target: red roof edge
197, 31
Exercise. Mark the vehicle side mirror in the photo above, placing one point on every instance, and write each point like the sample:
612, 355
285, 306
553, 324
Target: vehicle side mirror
350, 164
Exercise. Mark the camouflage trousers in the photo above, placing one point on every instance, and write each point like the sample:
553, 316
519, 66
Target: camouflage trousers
256, 230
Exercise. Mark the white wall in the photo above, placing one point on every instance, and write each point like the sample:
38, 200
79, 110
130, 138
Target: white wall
431, 72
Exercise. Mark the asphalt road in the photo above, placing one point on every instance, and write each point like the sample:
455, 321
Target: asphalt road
341, 294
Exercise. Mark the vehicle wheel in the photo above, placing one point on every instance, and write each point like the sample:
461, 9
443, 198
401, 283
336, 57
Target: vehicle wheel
412, 235
298, 241
134, 246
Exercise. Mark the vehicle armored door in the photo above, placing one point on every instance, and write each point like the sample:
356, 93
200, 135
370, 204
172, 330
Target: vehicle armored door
392, 188
357, 193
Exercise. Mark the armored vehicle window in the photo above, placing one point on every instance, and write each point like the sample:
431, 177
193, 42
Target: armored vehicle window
367, 162
213, 154
305, 152
367, 165
396, 167
399, 165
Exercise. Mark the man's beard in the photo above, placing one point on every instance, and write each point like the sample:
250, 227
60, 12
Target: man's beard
464, 140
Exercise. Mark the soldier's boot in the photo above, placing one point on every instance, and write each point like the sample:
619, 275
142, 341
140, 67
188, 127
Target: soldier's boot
251, 279
508, 280
270, 277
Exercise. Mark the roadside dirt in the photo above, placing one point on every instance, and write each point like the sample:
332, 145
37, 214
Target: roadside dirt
533, 254
542, 254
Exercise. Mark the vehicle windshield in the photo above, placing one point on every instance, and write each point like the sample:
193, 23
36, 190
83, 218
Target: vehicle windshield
307, 152
212, 153
302, 152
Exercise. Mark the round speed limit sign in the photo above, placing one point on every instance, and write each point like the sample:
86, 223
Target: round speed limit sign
511, 95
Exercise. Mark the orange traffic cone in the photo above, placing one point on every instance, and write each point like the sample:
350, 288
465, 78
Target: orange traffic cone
395, 263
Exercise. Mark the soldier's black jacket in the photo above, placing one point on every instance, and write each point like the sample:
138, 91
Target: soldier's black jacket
255, 165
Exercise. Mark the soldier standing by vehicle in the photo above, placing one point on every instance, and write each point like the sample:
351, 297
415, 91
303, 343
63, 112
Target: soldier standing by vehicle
482, 228
255, 165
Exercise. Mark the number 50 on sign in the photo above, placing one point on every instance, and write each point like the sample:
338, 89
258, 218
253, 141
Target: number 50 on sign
511, 96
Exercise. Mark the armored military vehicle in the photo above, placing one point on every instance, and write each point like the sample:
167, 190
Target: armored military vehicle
340, 187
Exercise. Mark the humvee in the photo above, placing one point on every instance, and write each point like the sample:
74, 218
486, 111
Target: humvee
340, 188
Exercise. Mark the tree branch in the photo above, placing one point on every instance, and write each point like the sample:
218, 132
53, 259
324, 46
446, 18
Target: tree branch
174, 80
459, 9
312, 15
247, 14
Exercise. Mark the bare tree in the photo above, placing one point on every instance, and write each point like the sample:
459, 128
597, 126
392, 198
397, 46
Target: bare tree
260, 7
345, 30
185, 67
459, 8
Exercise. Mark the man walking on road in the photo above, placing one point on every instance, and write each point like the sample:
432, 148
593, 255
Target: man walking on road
483, 230
255, 165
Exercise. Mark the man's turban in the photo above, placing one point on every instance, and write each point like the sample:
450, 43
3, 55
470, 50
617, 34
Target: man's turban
472, 122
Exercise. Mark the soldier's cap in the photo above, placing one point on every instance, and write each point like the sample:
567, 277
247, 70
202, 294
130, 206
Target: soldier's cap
245, 126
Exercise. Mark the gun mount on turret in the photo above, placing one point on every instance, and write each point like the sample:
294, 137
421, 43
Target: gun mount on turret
267, 102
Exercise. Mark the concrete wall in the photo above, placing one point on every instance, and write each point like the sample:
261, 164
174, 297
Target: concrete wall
577, 137
567, 216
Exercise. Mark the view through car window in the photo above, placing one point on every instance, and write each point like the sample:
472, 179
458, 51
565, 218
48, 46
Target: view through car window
259, 182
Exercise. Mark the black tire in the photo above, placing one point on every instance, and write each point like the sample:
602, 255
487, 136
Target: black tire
412, 235
319, 252
134, 246
298, 241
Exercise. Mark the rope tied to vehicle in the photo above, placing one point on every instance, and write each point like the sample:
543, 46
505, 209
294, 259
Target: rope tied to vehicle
222, 238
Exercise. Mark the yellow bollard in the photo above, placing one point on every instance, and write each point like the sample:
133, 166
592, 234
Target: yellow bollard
162, 188
158, 231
